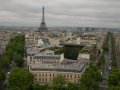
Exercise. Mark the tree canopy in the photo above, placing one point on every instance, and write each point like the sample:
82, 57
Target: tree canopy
114, 80
18, 59
59, 83
20, 79
90, 79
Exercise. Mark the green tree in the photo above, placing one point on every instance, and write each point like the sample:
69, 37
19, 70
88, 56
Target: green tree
18, 59
113, 79
2, 76
58, 83
82, 87
20, 79
5, 61
39, 87
90, 78
71, 86
10, 52
20, 48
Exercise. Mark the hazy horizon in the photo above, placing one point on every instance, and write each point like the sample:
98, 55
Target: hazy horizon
61, 13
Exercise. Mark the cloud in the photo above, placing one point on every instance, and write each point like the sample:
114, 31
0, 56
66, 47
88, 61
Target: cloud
104, 13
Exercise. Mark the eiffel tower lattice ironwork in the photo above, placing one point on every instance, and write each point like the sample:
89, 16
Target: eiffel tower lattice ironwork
43, 25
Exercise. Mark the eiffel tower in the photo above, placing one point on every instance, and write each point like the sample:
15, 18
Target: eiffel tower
43, 27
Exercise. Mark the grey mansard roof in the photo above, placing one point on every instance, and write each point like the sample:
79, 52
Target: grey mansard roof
60, 68
50, 57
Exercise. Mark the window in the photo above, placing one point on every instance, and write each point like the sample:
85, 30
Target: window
75, 76
43, 80
30, 58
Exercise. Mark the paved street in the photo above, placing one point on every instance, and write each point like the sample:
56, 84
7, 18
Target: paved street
5, 83
106, 68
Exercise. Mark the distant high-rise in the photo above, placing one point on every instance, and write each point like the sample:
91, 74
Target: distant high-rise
43, 25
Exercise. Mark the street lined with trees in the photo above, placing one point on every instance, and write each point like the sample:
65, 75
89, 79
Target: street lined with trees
105, 50
14, 54
114, 75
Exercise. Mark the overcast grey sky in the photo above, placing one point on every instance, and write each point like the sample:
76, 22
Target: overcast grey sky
105, 13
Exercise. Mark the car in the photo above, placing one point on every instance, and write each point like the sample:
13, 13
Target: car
10, 64
109, 68
8, 73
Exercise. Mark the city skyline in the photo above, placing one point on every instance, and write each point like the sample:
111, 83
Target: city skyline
93, 13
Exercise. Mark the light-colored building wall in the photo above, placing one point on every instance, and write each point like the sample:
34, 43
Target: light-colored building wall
43, 77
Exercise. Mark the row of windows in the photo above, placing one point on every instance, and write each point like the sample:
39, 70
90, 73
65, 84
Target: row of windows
49, 80
52, 75
46, 60
43, 80
47, 57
